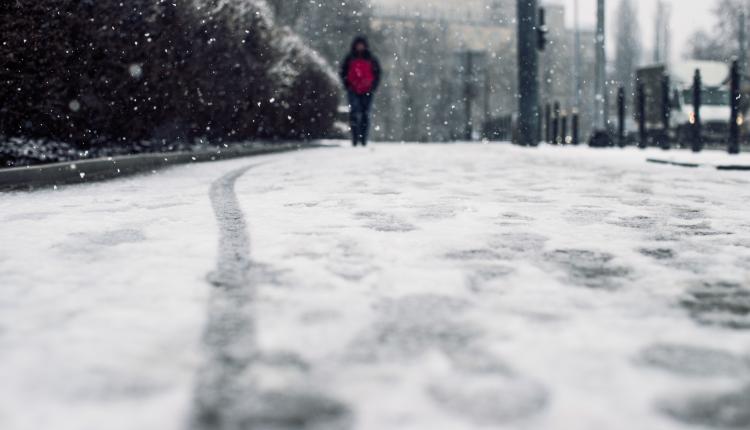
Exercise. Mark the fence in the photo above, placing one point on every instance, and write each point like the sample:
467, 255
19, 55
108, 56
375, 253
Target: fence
654, 107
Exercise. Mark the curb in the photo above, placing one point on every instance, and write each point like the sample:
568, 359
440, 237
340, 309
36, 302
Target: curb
724, 167
733, 167
675, 163
86, 171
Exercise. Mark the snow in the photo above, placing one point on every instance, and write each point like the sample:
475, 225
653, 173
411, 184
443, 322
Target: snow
103, 301
396, 287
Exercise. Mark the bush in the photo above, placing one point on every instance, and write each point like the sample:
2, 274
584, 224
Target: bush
94, 72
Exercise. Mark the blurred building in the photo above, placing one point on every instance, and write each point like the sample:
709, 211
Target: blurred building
483, 11
559, 64
440, 57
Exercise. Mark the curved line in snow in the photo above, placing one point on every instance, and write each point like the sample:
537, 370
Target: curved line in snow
227, 395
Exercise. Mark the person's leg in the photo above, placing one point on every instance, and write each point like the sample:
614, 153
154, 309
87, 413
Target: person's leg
354, 109
366, 103
360, 121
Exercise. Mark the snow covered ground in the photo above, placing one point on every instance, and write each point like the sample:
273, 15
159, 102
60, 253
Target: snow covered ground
394, 287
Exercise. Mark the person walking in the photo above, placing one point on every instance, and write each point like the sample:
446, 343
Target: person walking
360, 73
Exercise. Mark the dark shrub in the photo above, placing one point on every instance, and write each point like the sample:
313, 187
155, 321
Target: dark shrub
94, 72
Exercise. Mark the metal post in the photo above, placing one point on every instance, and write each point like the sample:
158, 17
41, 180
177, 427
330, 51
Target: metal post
643, 143
487, 90
548, 123
556, 125
734, 121
697, 139
621, 117
528, 69
666, 112
468, 96
577, 61
574, 127
540, 132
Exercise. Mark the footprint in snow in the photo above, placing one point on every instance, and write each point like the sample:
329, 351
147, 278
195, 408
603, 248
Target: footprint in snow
384, 222
693, 361
724, 410
479, 387
721, 303
590, 269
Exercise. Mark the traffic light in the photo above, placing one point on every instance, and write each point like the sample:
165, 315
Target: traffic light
542, 30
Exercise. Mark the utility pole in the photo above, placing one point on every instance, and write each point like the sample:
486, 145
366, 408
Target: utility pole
662, 33
600, 121
743, 42
667, 34
528, 70
658, 32
577, 60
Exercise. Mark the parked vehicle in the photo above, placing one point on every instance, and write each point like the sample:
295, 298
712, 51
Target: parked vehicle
715, 110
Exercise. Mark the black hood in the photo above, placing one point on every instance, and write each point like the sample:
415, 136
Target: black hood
360, 39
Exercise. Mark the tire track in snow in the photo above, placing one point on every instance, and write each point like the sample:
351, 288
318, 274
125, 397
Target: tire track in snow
228, 395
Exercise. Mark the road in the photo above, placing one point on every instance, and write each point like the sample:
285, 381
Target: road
394, 287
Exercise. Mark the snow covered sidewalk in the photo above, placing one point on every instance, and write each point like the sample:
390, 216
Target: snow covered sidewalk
397, 287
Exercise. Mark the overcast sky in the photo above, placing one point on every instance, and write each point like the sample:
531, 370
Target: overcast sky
687, 16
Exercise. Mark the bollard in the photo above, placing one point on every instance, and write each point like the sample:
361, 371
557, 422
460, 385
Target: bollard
574, 129
666, 112
643, 142
540, 126
547, 123
556, 124
469, 92
621, 117
564, 127
734, 102
695, 120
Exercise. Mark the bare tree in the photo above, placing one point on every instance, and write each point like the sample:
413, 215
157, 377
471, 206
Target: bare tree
705, 46
328, 27
722, 43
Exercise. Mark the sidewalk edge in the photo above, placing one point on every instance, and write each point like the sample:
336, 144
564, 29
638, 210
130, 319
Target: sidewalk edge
87, 171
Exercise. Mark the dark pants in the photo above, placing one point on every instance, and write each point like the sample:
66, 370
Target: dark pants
359, 116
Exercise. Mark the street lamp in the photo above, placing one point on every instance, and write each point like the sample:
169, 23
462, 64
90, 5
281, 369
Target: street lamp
528, 69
